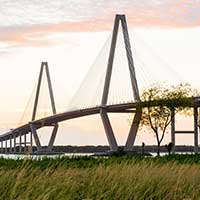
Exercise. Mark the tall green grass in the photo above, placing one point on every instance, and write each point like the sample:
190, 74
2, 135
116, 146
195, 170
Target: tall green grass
170, 177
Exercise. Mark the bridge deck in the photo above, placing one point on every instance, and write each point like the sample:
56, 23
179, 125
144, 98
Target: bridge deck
125, 107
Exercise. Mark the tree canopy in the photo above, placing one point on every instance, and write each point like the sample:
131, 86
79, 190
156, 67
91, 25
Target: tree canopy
158, 102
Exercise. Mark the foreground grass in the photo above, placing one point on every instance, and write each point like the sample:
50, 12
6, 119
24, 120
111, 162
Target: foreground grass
169, 177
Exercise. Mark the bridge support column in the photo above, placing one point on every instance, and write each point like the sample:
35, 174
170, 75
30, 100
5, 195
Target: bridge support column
1, 146
108, 129
14, 143
31, 143
25, 150
2, 143
6, 146
133, 131
173, 129
10, 144
20, 143
53, 136
195, 129
36, 138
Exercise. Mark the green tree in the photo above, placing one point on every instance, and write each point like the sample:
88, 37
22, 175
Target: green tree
158, 102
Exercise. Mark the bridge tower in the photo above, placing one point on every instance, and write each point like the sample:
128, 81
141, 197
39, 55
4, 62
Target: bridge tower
103, 112
44, 67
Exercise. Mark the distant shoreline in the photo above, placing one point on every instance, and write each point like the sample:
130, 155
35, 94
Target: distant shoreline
104, 148
101, 148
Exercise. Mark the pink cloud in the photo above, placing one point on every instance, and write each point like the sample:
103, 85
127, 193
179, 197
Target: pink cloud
168, 14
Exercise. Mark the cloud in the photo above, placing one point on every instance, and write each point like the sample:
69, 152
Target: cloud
143, 12
29, 23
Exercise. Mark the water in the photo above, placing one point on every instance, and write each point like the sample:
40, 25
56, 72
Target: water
23, 156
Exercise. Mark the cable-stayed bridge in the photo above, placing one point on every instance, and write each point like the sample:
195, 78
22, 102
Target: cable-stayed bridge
97, 103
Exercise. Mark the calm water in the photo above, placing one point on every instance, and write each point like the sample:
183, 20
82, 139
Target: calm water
14, 156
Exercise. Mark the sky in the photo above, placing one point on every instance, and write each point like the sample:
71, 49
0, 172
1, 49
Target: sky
70, 34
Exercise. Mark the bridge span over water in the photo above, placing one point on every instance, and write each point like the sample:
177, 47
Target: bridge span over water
30, 128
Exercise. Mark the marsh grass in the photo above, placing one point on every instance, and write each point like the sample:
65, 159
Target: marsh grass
169, 177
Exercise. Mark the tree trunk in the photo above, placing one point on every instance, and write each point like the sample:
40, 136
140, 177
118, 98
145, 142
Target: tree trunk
158, 142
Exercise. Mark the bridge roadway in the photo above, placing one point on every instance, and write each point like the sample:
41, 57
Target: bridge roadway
117, 108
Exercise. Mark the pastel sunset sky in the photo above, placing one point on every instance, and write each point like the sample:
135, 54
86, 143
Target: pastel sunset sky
69, 35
